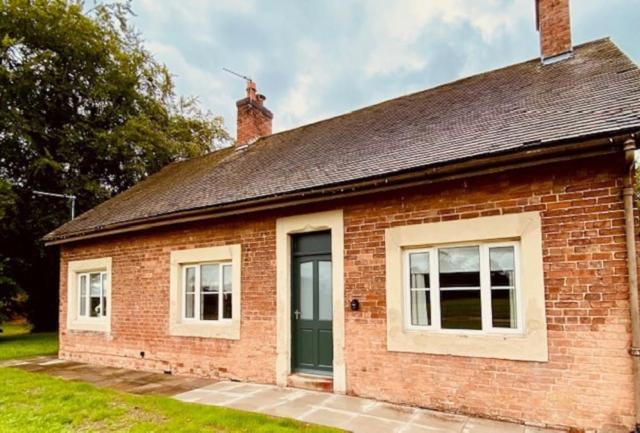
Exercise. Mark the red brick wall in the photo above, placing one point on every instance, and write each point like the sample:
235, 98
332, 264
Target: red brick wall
252, 121
587, 382
554, 25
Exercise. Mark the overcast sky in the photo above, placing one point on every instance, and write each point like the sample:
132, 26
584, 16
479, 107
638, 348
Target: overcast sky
316, 59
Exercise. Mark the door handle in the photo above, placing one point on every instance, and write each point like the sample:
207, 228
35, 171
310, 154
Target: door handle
297, 314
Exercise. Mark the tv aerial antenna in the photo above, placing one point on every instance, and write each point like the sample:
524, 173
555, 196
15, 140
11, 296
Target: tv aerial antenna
244, 77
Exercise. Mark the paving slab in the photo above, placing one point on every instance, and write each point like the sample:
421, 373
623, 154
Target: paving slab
329, 417
367, 424
439, 421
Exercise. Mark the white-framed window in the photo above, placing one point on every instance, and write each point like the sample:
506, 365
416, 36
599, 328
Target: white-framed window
470, 288
92, 297
89, 290
207, 292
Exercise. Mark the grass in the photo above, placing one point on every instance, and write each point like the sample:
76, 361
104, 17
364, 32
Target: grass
16, 341
35, 402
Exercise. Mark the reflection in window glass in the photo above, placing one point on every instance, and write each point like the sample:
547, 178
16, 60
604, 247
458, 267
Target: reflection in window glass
190, 291
226, 290
104, 294
420, 308
503, 290
210, 278
420, 297
419, 264
209, 306
460, 309
83, 295
306, 291
325, 309
95, 293
209, 288
459, 267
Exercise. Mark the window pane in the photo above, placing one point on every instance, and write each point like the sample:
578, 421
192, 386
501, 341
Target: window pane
209, 306
503, 308
190, 280
502, 264
95, 285
210, 278
189, 293
83, 295
420, 307
104, 294
306, 290
419, 265
459, 267
226, 306
189, 305
95, 292
460, 309
325, 310
226, 279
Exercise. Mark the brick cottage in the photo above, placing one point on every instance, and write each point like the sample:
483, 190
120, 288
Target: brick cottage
466, 248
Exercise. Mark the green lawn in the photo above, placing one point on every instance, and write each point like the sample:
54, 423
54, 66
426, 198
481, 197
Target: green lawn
16, 341
35, 402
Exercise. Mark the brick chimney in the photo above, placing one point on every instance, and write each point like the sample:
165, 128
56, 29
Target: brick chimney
254, 119
554, 24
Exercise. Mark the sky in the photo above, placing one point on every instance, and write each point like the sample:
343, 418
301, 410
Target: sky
315, 59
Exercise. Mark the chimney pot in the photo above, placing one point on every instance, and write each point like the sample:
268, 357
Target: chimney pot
254, 119
554, 24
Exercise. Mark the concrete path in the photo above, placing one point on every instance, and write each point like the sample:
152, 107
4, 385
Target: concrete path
350, 413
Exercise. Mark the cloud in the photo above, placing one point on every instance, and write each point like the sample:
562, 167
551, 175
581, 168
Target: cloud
317, 59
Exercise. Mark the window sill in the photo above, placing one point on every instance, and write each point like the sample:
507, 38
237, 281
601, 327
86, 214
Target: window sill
506, 333
90, 325
515, 346
229, 330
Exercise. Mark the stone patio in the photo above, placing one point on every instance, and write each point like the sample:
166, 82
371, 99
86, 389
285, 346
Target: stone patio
350, 413
122, 379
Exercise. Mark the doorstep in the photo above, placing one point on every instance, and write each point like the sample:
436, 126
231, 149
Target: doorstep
310, 382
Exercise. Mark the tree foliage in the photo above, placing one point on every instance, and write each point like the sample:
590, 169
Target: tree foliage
85, 110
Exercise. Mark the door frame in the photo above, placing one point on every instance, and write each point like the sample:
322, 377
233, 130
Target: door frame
285, 227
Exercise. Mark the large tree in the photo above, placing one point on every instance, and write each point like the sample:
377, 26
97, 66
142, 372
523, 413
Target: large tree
85, 110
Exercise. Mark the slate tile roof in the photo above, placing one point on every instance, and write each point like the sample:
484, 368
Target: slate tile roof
596, 91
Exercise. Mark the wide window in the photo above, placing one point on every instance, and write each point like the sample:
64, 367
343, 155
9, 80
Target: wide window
207, 291
466, 287
92, 294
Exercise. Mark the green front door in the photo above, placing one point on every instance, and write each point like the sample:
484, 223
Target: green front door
312, 312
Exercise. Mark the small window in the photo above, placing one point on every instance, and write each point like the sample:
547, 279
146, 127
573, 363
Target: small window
207, 291
93, 294
467, 288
